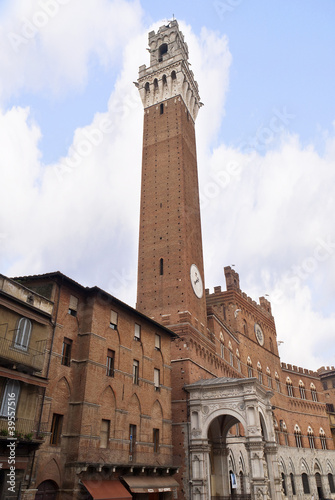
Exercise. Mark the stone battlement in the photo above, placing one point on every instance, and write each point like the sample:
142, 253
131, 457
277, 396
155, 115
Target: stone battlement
298, 369
233, 283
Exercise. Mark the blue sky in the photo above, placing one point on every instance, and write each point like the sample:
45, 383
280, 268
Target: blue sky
265, 137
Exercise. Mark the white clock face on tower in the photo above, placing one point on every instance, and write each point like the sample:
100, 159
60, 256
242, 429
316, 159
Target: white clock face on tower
196, 281
259, 334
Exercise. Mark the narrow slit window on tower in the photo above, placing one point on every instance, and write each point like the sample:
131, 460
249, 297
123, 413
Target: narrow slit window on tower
161, 108
161, 267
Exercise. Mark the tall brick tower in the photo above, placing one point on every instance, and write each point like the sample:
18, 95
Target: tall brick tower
170, 266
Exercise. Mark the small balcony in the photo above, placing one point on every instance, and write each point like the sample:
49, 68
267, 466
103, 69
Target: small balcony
25, 430
30, 359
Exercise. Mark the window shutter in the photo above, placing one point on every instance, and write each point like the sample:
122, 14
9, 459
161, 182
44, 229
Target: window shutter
113, 321
73, 303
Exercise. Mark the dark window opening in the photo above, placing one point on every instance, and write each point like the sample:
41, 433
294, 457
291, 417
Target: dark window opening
66, 351
147, 87
173, 75
161, 51
56, 429
164, 79
283, 483
292, 484
135, 372
110, 363
305, 483
161, 108
156, 440
132, 438
155, 84
161, 267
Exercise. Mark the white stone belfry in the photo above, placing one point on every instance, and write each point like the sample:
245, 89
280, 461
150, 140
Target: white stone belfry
169, 74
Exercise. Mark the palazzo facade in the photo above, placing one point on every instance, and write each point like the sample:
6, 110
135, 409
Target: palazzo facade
184, 397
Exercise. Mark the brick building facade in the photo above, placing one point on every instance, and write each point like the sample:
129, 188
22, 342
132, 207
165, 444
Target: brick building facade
244, 423
106, 410
189, 386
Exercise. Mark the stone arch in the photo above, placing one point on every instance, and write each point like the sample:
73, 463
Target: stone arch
135, 405
304, 466
50, 472
108, 407
329, 466
47, 490
241, 463
282, 465
220, 404
157, 410
264, 427
234, 417
317, 467
63, 385
231, 461
108, 396
291, 465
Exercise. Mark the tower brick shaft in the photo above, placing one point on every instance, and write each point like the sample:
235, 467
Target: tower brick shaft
170, 264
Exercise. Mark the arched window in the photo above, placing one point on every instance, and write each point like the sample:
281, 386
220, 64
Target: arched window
323, 439
276, 430
283, 428
289, 387
302, 389
161, 51
222, 345
23, 332
241, 483
310, 435
268, 374
297, 435
238, 360
245, 328
292, 484
249, 366
331, 483
283, 483
231, 355
305, 483
313, 392
164, 80
155, 84
147, 87
259, 373
173, 75
277, 382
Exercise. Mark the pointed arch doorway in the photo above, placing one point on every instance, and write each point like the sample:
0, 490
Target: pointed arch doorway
232, 422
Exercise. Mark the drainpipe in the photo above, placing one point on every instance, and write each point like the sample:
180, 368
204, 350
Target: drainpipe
54, 324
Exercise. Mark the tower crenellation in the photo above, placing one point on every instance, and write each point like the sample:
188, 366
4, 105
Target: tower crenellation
169, 73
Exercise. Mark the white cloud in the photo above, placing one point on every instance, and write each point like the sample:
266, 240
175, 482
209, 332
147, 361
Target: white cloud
49, 44
264, 208
273, 218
